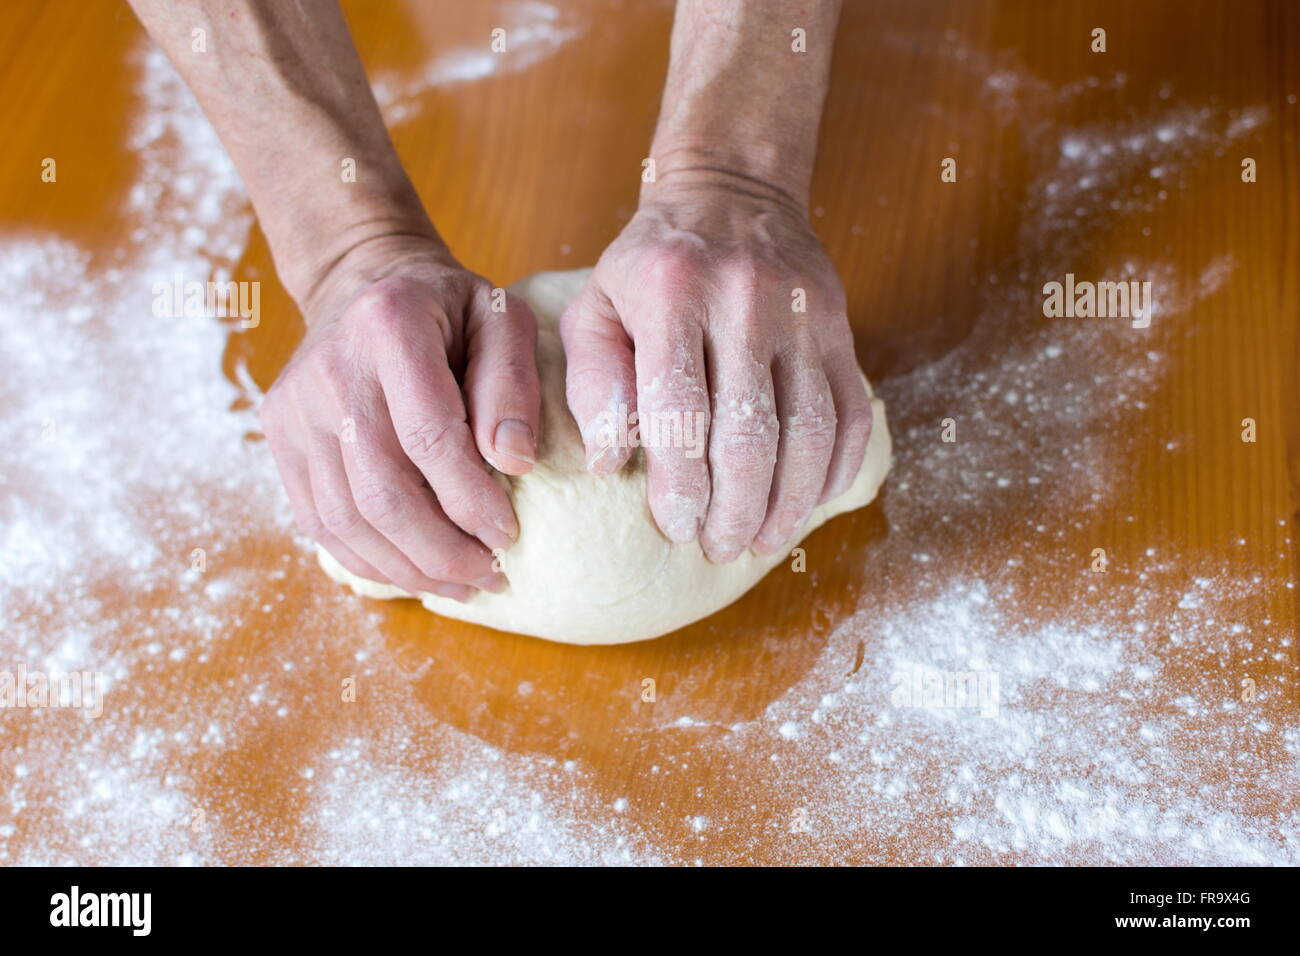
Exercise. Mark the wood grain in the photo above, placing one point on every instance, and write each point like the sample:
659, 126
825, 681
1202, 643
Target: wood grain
537, 169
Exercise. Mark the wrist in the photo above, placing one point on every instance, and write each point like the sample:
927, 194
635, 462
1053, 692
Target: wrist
742, 100
769, 174
363, 263
323, 236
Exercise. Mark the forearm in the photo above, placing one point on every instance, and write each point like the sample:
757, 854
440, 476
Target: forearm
283, 86
740, 105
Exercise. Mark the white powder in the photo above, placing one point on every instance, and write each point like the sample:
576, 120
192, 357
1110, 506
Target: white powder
123, 449
1103, 749
532, 32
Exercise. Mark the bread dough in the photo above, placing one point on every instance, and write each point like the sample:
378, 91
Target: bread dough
590, 565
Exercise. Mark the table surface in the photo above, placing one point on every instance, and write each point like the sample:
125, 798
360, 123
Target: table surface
1147, 713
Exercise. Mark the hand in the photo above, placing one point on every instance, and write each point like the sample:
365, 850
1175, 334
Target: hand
368, 425
689, 317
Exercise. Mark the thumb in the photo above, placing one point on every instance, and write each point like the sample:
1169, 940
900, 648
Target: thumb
601, 378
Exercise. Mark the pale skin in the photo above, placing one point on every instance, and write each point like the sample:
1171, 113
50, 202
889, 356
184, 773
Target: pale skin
408, 386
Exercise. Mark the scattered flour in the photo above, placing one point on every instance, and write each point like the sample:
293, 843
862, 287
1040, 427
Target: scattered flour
123, 448
533, 32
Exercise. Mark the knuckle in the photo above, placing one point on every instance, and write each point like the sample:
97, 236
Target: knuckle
326, 364
669, 269
431, 440
382, 506
587, 378
815, 435
380, 307
674, 423
339, 516
673, 391
746, 446
445, 567
754, 282
744, 274
323, 372
289, 390
747, 430
465, 506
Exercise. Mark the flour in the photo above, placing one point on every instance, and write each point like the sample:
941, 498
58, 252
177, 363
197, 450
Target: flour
531, 32
1091, 759
123, 449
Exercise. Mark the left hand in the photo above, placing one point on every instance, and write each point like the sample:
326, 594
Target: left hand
691, 316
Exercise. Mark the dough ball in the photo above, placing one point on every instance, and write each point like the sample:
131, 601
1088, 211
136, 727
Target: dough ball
590, 565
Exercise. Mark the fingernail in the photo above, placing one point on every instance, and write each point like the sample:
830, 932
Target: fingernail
682, 529
515, 438
494, 538
717, 552
495, 583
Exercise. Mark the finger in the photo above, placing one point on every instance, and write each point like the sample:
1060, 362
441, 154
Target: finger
673, 421
390, 495
807, 439
338, 511
600, 382
353, 562
292, 465
501, 385
853, 421
429, 421
742, 451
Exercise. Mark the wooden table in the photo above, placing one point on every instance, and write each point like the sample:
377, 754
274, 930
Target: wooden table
534, 166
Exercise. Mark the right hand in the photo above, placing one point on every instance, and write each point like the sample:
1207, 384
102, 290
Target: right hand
382, 457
